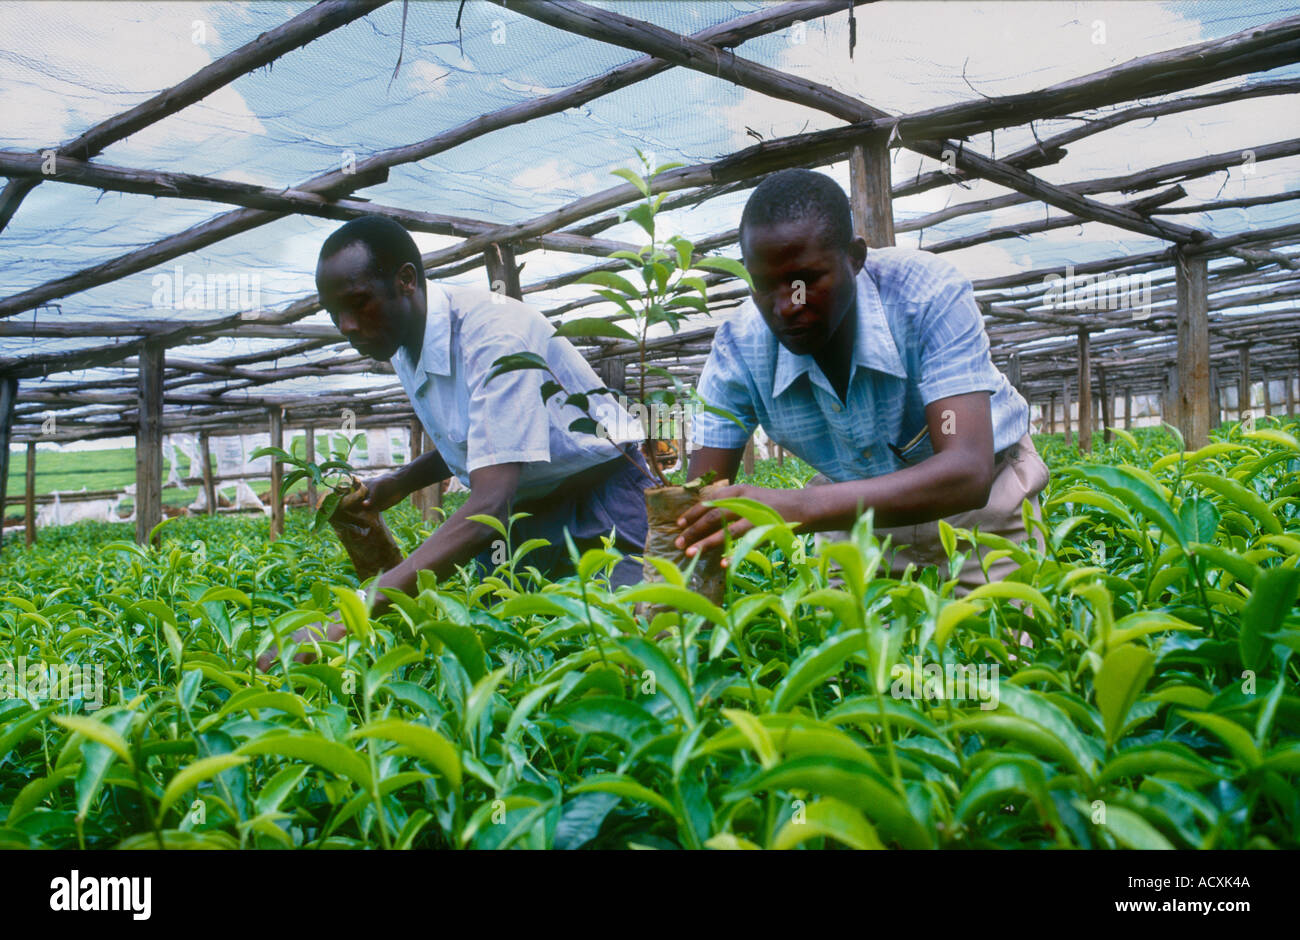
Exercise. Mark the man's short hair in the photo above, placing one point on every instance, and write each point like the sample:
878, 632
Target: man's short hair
390, 245
795, 195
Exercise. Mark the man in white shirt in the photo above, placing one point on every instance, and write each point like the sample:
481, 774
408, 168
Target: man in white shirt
513, 450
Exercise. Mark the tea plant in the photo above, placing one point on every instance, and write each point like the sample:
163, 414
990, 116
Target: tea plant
1131, 685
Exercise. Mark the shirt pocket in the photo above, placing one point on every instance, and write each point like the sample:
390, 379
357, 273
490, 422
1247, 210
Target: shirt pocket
914, 449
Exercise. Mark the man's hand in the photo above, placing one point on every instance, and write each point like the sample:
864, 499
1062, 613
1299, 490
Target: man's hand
332, 631
706, 527
385, 492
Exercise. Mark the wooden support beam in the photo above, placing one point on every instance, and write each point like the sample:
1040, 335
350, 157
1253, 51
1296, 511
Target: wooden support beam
1290, 395
1051, 414
870, 192
1243, 382
1085, 393
1216, 399
148, 443
1128, 409
1106, 405
8, 395
275, 414
1268, 395
1013, 370
1065, 411
502, 272
30, 502
209, 486
309, 454
1193, 330
748, 457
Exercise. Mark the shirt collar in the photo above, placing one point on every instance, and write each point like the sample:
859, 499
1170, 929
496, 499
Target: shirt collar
873, 346
435, 348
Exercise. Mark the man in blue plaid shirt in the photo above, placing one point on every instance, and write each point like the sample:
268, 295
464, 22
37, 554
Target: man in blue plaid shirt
874, 368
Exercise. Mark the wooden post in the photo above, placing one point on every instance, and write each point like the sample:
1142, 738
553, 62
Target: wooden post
1193, 358
1268, 396
8, 395
1013, 370
1065, 412
1105, 404
1085, 393
148, 442
309, 452
1172, 396
1216, 398
613, 373
276, 415
503, 274
1290, 396
1128, 409
416, 449
870, 192
749, 457
30, 504
209, 485
1243, 382
780, 456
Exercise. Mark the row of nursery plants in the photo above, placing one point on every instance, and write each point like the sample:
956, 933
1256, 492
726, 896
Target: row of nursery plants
1131, 685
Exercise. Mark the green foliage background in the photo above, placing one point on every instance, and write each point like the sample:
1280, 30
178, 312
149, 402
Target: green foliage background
1146, 694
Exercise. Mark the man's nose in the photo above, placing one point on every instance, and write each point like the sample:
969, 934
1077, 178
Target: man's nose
785, 304
347, 324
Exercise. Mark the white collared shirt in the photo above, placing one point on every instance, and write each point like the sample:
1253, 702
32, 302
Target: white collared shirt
478, 422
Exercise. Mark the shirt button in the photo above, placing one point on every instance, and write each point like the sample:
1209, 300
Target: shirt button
836, 408
866, 453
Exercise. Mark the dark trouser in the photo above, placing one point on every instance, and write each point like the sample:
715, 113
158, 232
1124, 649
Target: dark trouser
587, 511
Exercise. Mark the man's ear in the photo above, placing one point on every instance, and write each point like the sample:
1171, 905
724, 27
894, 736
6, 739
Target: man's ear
858, 253
408, 278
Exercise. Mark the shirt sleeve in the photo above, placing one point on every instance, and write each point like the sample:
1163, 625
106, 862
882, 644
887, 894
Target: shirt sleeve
723, 385
508, 421
955, 358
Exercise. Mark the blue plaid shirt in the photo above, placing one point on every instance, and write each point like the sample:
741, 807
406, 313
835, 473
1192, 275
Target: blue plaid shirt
920, 338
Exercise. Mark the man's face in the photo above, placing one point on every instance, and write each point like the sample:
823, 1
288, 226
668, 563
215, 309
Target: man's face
370, 314
803, 287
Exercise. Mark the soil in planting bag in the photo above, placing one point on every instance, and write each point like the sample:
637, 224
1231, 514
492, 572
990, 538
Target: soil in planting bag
664, 505
363, 533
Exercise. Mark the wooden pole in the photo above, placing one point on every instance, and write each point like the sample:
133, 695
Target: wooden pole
1290, 396
1013, 370
30, 505
502, 272
209, 484
1085, 393
1268, 396
1105, 404
1171, 396
749, 457
276, 416
8, 395
148, 442
1193, 358
870, 192
309, 452
1065, 411
1243, 382
1216, 398
1051, 414
1128, 409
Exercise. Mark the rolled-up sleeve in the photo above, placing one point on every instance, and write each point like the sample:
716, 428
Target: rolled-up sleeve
955, 357
508, 421
724, 385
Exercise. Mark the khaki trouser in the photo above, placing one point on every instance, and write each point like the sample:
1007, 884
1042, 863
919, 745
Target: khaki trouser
1021, 475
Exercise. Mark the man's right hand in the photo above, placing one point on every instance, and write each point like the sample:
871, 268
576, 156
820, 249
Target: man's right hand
385, 492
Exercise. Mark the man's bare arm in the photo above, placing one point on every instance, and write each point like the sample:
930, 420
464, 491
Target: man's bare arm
723, 461
459, 539
955, 479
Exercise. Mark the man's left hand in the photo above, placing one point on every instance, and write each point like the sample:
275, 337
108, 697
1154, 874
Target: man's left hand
705, 528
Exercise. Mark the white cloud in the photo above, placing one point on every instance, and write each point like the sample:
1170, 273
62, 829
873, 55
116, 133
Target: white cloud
67, 66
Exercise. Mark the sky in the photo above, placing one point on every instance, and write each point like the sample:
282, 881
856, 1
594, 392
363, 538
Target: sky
65, 66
